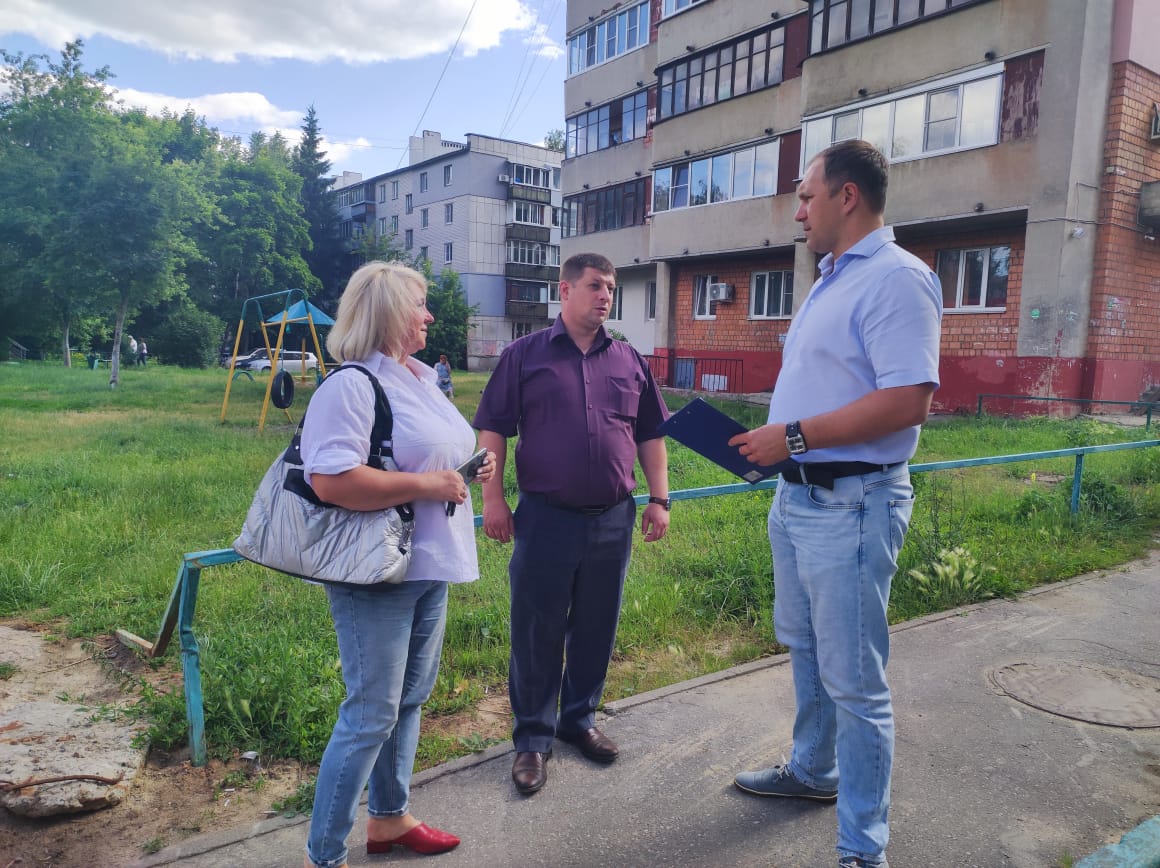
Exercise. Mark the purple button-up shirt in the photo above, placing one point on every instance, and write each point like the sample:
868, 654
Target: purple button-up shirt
579, 417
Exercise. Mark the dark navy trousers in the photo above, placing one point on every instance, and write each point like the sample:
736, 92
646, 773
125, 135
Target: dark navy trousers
567, 574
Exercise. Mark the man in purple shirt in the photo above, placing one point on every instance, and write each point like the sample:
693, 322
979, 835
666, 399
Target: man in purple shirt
585, 408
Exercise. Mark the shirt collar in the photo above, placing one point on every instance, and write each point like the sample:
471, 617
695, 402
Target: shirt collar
866, 247
599, 342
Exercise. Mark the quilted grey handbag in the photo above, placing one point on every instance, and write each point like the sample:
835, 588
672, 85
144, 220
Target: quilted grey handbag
288, 528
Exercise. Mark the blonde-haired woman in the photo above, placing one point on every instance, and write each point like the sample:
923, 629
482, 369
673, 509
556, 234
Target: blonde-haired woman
389, 636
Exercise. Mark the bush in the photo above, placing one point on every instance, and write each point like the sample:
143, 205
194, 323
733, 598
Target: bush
188, 337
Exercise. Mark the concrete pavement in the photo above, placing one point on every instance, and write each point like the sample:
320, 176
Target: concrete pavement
981, 778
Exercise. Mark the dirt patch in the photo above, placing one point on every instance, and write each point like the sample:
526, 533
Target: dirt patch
169, 800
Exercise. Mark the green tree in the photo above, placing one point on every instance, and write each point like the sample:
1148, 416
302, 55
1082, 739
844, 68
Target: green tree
448, 334
320, 209
554, 140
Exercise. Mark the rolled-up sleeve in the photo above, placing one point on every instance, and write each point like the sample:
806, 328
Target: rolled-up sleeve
337, 432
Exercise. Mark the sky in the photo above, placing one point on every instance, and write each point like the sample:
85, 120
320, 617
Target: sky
376, 71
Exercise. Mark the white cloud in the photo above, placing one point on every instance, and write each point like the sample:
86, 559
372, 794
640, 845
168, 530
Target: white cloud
544, 45
219, 109
355, 31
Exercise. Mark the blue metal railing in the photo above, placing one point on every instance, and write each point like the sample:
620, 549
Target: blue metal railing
183, 601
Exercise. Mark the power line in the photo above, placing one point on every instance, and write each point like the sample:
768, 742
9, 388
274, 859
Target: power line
439, 81
516, 86
513, 115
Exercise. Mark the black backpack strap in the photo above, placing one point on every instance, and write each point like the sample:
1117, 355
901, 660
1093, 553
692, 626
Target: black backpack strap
381, 445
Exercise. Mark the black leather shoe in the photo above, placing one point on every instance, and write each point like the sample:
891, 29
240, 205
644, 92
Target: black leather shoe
530, 771
593, 744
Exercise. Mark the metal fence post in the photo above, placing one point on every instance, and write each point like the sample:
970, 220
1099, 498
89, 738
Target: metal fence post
191, 665
1075, 483
979, 412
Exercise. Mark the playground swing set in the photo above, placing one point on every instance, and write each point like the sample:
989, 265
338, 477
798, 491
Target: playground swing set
297, 314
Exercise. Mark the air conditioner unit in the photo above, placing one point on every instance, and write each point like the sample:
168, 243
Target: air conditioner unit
720, 292
505, 179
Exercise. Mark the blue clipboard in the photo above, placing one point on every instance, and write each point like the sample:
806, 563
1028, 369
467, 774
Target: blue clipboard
707, 431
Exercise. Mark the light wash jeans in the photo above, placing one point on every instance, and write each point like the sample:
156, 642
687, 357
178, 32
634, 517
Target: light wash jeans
389, 642
834, 555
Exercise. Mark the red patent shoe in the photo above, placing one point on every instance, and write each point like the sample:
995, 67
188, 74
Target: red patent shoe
422, 839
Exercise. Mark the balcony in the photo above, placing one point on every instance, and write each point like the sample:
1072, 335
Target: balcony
542, 273
362, 212
530, 194
527, 232
523, 310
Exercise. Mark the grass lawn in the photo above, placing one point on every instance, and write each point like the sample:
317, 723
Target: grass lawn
102, 491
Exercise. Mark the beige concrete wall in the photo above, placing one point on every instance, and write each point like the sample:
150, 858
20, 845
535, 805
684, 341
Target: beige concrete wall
622, 246
746, 224
609, 166
705, 24
608, 80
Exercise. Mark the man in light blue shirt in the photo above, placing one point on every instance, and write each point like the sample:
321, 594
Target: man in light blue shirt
859, 368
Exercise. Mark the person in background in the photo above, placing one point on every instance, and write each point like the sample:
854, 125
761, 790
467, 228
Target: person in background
142, 352
390, 637
132, 350
859, 367
586, 408
443, 376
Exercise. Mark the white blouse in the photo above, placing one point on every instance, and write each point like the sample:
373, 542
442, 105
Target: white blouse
429, 434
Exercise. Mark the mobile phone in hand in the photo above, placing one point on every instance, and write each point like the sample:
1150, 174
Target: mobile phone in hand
471, 466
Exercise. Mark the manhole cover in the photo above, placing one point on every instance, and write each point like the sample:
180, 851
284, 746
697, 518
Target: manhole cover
1081, 691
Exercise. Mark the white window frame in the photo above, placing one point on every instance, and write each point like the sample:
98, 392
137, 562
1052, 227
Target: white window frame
553, 291
448, 172
961, 252
424, 218
394, 189
449, 212
408, 239
423, 252
784, 311
818, 131
650, 300
394, 224
383, 192
616, 309
422, 182
665, 190
524, 212
703, 308
409, 203
448, 251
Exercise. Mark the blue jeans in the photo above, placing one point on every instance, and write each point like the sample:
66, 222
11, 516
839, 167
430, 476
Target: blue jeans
389, 642
834, 555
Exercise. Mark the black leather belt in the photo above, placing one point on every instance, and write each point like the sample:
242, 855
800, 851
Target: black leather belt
824, 473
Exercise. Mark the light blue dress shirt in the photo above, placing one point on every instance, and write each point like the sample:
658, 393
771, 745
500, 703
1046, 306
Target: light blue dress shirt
871, 321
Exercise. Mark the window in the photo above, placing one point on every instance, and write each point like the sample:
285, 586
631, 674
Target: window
974, 278
616, 310
533, 253
771, 294
956, 115
650, 300
608, 208
702, 307
530, 176
409, 239
520, 329
424, 218
448, 251
382, 226
739, 174
449, 212
408, 204
604, 40
394, 189
529, 212
422, 182
382, 192
423, 253
836, 22
606, 126
395, 224
671, 6
352, 196
554, 292
743, 66
447, 176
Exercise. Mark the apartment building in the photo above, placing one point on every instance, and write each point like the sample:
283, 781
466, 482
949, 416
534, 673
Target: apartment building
487, 208
1024, 137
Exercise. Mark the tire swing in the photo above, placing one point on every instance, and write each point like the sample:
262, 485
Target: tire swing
282, 391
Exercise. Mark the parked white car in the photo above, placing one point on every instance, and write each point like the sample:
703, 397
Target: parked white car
294, 361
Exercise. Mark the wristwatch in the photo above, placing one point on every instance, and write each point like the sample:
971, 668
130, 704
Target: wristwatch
666, 502
795, 441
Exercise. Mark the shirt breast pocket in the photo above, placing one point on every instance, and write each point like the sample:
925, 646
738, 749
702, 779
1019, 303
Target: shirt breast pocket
623, 397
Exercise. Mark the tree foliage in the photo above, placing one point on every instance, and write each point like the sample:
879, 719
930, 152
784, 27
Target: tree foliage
326, 254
